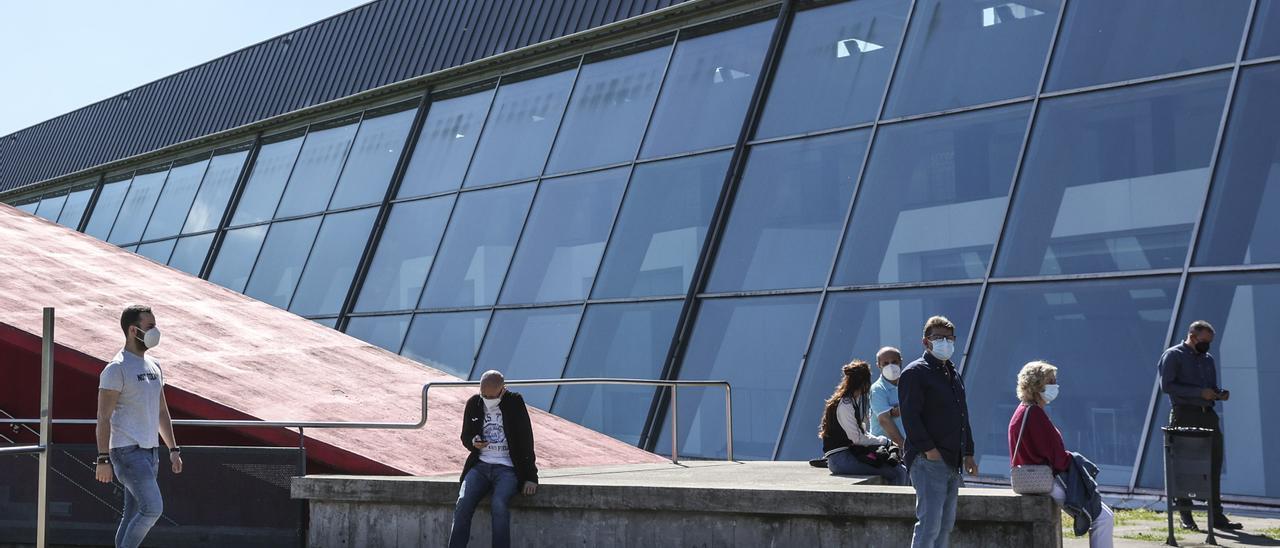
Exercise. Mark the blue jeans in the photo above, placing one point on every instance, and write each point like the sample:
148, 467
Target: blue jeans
845, 462
136, 468
937, 489
480, 480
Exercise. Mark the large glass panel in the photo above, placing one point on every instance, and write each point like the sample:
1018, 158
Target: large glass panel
1242, 308
932, 199
565, 237
856, 325
518, 133
1114, 180
619, 341
51, 206
405, 252
445, 144
531, 343
447, 342
1240, 224
756, 344
266, 182
331, 323
314, 176
158, 251
234, 263
386, 332
73, 209
606, 116
175, 200
284, 253
477, 247
373, 158
706, 91
834, 67
1105, 42
29, 207
215, 191
106, 209
190, 252
660, 230
788, 213
1103, 335
968, 52
336, 255
1265, 39
137, 207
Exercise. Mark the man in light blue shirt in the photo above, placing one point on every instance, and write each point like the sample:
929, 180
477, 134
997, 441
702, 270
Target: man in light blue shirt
884, 396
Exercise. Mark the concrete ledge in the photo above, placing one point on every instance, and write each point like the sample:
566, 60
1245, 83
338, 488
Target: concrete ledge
692, 504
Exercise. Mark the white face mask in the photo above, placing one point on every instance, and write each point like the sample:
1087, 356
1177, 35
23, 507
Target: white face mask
891, 372
942, 349
1049, 393
491, 403
151, 337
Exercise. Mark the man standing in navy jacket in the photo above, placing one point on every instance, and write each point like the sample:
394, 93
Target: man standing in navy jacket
939, 440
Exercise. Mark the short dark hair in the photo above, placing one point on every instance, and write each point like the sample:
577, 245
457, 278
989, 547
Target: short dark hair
1200, 326
937, 322
132, 315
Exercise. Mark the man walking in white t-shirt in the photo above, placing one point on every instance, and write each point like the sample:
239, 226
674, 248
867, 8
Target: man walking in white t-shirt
131, 410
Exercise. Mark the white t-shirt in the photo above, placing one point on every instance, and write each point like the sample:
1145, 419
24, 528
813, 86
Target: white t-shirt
497, 452
136, 417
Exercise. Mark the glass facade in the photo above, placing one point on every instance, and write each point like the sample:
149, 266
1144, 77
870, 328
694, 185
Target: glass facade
1067, 181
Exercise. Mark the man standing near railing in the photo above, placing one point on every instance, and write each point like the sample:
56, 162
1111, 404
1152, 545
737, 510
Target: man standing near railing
497, 431
131, 410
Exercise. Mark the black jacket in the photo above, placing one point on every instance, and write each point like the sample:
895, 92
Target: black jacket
934, 412
515, 423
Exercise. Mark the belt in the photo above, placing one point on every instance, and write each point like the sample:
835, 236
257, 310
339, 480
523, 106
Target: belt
1200, 408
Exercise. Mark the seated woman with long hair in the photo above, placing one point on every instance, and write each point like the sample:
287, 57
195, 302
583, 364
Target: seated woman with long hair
844, 427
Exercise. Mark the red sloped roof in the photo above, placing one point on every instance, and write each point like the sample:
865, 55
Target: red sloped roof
251, 359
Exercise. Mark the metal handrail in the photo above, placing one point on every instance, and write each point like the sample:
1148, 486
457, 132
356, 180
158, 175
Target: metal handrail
422, 421
22, 449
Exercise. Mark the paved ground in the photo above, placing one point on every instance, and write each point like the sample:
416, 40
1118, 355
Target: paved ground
763, 475
1145, 526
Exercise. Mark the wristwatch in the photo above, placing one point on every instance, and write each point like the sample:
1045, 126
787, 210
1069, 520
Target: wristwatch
175, 449
104, 458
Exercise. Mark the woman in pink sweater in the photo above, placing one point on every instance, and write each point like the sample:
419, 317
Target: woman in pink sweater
1042, 442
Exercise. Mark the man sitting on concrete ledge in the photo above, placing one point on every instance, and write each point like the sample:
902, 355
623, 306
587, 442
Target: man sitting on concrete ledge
497, 431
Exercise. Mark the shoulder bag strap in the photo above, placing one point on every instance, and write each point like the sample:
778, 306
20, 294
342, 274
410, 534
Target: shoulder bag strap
1021, 429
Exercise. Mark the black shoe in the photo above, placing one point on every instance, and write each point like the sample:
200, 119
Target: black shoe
1221, 522
1189, 524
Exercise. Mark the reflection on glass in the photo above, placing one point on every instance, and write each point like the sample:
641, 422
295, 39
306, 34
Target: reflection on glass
932, 199
756, 344
372, 159
1264, 41
659, 234
137, 207
834, 67
706, 91
530, 343
1107, 379
190, 252
331, 323
856, 325
236, 256
1104, 42
447, 342
477, 247
280, 263
1114, 180
106, 209
619, 341
50, 207
314, 176
1240, 225
386, 332
175, 200
968, 53
445, 144
333, 262
790, 207
606, 116
518, 133
215, 191
158, 251
266, 182
73, 210
564, 238
405, 252
29, 207
1242, 309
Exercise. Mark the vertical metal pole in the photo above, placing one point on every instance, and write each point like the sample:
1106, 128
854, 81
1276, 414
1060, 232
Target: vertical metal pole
46, 426
728, 419
304, 518
675, 428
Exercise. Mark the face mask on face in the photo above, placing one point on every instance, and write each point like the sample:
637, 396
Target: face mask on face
150, 338
1202, 347
942, 349
1049, 393
891, 372
491, 403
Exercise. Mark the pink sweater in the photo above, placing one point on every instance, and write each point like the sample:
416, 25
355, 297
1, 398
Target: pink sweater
1041, 442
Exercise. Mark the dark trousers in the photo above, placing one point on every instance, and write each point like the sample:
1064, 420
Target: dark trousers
1202, 417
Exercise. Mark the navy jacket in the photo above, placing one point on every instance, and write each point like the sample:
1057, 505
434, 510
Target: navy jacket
1082, 501
934, 412
516, 425
1185, 372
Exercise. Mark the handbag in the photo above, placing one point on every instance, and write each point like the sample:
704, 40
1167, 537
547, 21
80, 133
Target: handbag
1029, 479
878, 456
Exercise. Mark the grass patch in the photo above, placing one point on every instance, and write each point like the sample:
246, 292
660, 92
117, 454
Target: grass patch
1160, 537
1140, 515
1272, 533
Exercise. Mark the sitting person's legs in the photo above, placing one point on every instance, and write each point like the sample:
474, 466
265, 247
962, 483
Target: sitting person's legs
1101, 529
475, 486
844, 463
505, 486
